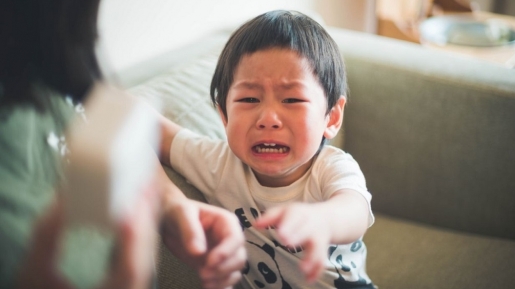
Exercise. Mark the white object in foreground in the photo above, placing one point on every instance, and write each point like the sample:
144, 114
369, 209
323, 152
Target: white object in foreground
111, 163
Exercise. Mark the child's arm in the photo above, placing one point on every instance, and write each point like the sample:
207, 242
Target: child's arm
340, 220
207, 238
169, 130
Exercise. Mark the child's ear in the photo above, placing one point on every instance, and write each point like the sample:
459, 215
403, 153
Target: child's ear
335, 119
222, 116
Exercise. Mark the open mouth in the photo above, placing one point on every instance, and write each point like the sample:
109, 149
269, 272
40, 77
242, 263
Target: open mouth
270, 148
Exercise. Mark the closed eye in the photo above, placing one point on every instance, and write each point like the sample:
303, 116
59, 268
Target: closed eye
292, 100
248, 100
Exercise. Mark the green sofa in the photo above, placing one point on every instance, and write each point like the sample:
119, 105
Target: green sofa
434, 134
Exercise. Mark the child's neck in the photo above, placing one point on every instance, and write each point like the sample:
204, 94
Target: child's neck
285, 179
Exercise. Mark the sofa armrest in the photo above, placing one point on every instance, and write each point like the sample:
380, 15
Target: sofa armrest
433, 132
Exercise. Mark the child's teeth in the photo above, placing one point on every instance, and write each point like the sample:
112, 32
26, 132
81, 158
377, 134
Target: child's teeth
271, 150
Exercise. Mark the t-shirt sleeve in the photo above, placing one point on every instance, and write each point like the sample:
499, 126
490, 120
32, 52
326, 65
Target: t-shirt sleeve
200, 159
339, 171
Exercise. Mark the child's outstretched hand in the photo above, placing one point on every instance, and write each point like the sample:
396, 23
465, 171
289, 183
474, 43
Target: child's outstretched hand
303, 225
207, 238
342, 219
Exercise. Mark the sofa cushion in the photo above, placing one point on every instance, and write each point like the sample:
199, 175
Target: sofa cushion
182, 95
403, 254
433, 133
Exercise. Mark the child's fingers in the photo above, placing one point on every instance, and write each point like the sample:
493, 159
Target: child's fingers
191, 232
296, 226
181, 228
284, 224
312, 271
312, 264
222, 282
221, 275
295, 230
285, 220
271, 218
227, 253
224, 236
226, 249
291, 224
301, 230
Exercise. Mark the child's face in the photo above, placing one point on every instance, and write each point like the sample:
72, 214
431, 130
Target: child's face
276, 115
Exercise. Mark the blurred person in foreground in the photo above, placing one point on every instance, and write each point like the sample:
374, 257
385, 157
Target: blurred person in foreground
47, 68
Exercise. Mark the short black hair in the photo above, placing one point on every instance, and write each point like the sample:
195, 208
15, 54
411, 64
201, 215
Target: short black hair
48, 42
282, 29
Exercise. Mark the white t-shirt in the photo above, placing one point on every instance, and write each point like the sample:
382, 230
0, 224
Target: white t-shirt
227, 182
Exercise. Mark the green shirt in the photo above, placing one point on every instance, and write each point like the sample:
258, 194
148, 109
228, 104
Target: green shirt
32, 147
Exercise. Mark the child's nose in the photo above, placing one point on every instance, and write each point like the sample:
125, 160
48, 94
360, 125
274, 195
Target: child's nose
269, 118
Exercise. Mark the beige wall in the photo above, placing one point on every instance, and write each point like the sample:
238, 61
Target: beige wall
351, 14
132, 31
